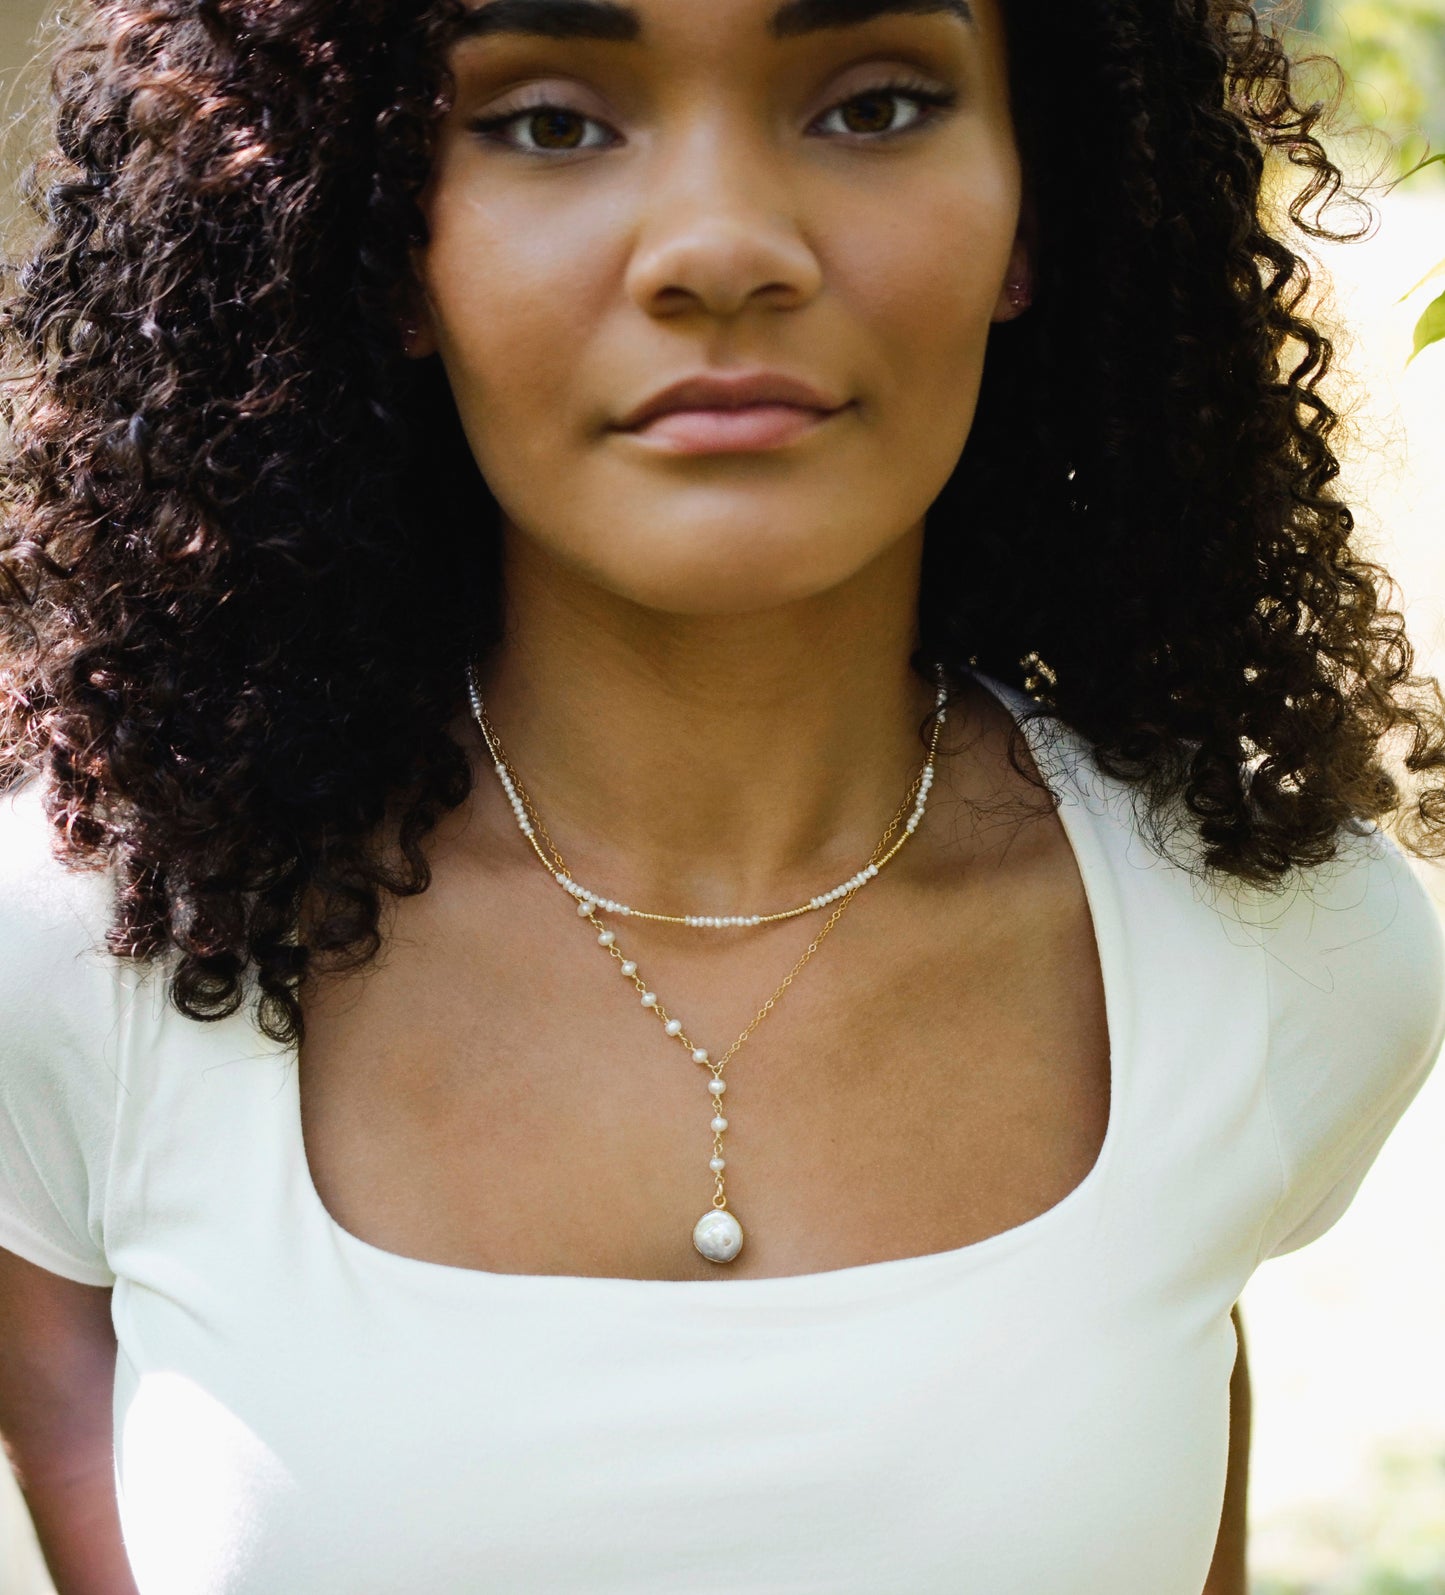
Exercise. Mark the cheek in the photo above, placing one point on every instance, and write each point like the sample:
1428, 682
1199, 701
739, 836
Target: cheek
925, 291
516, 295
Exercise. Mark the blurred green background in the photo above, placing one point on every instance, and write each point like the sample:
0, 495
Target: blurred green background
1347, 1336
1394, 54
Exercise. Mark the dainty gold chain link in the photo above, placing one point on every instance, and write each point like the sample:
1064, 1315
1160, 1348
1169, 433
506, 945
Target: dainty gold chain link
787, 980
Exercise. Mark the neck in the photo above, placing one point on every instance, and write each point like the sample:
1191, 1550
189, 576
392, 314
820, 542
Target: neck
708, 764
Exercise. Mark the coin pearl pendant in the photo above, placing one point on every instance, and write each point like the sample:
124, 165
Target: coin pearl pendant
718, 1235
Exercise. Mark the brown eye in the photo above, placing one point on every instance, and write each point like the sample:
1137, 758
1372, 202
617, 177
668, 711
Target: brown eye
551, 129
869, 115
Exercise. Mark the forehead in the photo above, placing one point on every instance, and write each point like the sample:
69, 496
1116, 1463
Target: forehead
615, 22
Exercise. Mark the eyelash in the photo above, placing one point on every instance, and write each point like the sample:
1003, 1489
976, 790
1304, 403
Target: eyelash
933, 101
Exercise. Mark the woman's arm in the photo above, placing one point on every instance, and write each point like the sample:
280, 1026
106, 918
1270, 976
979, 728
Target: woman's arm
57, 1376
1227, 1575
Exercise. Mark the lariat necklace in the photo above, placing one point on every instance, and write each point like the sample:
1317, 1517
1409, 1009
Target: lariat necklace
717, 1235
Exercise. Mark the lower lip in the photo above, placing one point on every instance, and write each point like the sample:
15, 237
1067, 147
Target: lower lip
756, 426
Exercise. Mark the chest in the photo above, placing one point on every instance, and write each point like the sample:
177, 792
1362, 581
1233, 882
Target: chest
494, 1096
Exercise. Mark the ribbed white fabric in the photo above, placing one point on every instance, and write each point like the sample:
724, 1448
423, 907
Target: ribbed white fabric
301, 1413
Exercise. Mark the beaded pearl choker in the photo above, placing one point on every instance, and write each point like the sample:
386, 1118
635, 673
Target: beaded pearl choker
530, 824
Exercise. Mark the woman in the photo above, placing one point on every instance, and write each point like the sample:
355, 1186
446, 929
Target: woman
500, 488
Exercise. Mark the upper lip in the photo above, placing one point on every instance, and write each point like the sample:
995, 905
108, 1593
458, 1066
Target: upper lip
713, 391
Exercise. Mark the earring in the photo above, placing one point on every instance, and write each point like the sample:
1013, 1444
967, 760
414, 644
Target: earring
1020, 294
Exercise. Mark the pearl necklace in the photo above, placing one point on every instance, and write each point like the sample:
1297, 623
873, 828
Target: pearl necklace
717, 1235
530, 824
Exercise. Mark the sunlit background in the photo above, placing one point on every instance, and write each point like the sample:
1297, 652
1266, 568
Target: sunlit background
1347, 1336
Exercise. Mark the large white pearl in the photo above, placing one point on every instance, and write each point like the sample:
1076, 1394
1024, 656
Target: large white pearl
718, 1235
673, 1027
716, 1086
628, 967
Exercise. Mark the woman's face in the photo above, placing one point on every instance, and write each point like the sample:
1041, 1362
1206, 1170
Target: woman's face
823, 189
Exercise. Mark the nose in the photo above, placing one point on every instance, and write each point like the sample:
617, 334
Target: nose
720, 229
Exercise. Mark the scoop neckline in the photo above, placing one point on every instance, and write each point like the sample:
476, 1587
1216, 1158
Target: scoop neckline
856, 1280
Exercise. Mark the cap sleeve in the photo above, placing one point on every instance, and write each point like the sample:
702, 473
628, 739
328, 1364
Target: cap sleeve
1356, 978
59, 1064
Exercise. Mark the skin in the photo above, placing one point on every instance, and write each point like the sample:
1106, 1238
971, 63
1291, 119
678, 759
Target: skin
704, 682
712, 650
754, 610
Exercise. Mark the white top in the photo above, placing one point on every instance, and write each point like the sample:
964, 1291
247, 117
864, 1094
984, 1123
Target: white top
297, 1410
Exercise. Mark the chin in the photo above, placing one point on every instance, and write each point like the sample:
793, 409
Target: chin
735, 578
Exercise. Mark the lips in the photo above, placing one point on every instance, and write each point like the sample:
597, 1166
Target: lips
713, 391
741, 431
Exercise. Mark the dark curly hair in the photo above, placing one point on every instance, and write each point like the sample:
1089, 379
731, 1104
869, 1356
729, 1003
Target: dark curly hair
245, 551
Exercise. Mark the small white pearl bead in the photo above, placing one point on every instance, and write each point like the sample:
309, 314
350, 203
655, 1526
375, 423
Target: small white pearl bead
628, 967
699, 1055
649, 999
673, 1026
717, 1087
719, 1125
583, 910
605, 938
717, 1164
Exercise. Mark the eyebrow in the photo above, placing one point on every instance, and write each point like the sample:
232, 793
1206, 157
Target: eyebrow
608, 20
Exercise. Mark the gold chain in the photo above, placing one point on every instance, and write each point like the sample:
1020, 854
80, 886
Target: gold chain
881, 855
716, 1066
659, 1008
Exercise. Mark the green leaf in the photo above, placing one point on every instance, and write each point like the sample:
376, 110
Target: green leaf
1430, 328
1420, 167
1434, 272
